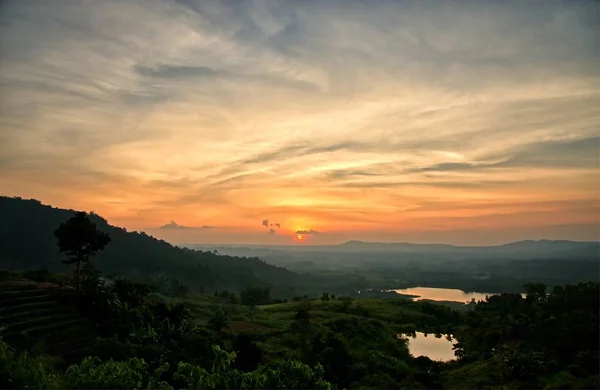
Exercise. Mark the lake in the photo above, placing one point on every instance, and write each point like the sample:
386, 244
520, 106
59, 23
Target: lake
430, 346
442, 294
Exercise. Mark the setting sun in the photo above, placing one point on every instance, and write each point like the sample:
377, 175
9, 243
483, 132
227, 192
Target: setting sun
311, 186
429, 142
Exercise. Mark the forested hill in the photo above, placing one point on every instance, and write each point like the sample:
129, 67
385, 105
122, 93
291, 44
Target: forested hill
27, 241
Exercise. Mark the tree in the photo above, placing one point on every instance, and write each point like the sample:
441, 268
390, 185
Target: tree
535, 292
80, 239
253, 296
248, 353
288, 374
334, 355
325, 297
303, 312
218, 320
130, 294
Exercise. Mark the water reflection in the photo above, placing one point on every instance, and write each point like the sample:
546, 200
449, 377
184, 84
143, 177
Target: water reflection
442, 294
435, 348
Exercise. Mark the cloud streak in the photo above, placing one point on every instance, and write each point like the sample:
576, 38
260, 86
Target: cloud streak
314, 113
310, 232
175, 226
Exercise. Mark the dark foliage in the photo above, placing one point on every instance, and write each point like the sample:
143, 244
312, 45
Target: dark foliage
26, 242
248, 353
255, 295
80, 239
530, 340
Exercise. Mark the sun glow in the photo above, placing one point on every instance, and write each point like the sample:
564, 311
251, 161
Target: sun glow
299, 237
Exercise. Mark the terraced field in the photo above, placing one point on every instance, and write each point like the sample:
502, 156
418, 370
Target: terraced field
32, 317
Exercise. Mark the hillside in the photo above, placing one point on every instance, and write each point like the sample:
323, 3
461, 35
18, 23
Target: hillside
31, 316
544, 339
27, 242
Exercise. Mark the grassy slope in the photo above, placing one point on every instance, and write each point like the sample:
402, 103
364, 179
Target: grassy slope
271, 323
35, 317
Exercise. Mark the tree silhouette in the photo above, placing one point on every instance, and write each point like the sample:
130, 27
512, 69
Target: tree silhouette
218, 321
252, 296
80, 239
255, 295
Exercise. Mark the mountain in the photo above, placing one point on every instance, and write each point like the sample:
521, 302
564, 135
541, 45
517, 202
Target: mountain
27, 241
529, 249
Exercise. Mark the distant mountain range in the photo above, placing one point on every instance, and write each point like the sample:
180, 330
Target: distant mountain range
527, 249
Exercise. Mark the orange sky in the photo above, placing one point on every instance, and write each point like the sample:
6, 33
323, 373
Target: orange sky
468, 123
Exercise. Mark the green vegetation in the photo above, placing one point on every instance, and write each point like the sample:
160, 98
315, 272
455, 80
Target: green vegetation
545, 340
35, 318
24, 371
109, 332
206, 341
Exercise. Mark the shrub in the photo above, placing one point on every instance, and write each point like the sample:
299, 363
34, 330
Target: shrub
23, 371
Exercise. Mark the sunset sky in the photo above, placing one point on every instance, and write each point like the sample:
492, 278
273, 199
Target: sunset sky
466, 122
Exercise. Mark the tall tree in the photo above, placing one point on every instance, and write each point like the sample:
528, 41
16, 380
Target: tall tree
252, 296
80, 239
255, 295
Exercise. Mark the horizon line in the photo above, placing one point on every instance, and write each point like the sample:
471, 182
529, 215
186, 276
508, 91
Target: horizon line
385, 243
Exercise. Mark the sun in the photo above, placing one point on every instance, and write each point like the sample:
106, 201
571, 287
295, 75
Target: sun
299, 237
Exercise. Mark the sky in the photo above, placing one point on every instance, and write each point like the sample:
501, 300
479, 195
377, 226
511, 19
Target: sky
464, 122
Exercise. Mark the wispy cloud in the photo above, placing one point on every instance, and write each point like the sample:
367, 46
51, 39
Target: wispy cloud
556, 154
309, 112
310, 232
272, 228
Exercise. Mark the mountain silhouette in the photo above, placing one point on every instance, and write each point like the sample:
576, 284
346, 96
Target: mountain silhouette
27, 242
